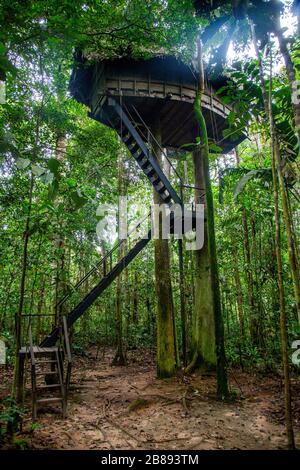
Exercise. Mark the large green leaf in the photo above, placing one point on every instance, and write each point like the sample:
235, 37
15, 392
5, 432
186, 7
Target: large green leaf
264, 173
38, 170
22, 163
53, 165
78, 198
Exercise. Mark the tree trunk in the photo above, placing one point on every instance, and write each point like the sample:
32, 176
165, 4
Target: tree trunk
283, 319
59, 244
222, 387
239, 294
276, 177
203, 336
120, 358
250, 283
166, 351
286, 216
135, 312
291, 74
182, 302
17, 386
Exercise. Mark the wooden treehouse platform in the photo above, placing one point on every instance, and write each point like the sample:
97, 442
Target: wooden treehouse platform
161, 87
129, 96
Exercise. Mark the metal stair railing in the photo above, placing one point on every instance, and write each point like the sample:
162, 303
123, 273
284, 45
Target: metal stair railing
103, 283
102, 263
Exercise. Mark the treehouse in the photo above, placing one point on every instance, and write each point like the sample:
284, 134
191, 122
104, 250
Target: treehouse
130, 97
161, 87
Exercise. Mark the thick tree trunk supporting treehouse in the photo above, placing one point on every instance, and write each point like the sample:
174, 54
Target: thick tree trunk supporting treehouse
166, 350
182, 302
203, 336
222, 386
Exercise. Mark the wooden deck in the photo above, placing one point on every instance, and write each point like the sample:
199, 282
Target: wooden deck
163, 88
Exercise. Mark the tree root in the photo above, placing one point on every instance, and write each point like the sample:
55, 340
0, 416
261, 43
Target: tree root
193, 364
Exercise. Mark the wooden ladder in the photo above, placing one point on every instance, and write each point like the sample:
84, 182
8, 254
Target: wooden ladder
47, 373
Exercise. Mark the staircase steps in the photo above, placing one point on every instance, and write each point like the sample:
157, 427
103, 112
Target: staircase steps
139, 150
41, 401
147, 161
45, 387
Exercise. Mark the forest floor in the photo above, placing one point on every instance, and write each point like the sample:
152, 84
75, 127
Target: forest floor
129, 408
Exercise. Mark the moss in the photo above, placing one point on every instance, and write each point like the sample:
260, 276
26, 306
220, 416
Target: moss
219, 327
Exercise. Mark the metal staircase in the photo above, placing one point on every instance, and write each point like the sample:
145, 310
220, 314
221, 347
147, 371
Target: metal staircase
140, 152
148, 163
54, 350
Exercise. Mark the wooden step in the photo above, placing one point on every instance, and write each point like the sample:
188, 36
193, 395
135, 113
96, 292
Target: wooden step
49, 400
44, 387
46, 372
46, 361
38, 351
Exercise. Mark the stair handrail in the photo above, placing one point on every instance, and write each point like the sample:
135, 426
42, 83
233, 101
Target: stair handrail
69, 357
33, 369
156, 141
181, 180
32, 357
108, 255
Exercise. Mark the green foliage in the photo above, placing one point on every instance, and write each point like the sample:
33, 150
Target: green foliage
262, 173
10, 416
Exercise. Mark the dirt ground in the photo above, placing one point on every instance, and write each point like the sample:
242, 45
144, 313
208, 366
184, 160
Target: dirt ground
128, 408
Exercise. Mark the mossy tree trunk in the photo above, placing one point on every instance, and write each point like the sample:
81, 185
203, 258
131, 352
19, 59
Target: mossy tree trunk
203, 336
166, 341
222, 383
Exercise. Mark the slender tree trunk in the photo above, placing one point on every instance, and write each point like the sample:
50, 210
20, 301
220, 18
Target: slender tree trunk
222, 388
40, 307
120, 358
276, 171
239, 294
291, 73
283, 319
286, 215
166, 350
250, 283
17, 386
59, 243
135, 316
